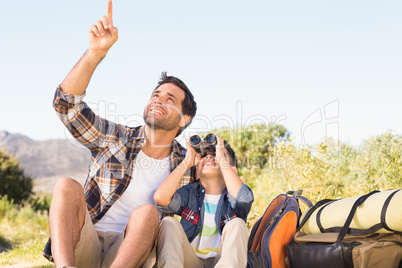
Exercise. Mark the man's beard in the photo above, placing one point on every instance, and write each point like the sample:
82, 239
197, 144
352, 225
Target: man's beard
166, 124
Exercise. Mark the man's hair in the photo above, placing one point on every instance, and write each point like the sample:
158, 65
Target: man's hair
232, 154
189, 106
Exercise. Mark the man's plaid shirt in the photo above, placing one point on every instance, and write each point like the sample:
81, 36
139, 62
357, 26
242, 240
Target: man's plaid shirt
113, 150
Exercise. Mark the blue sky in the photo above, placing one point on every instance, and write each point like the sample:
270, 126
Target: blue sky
320, 68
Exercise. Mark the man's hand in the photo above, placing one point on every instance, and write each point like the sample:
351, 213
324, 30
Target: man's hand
102, 35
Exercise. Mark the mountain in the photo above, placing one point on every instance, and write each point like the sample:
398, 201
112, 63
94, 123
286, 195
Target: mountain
48, 160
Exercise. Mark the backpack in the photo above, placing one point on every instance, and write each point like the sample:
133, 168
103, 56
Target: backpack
274, 230
336, 243
381, 212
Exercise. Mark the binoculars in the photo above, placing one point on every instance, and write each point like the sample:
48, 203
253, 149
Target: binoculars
203, 146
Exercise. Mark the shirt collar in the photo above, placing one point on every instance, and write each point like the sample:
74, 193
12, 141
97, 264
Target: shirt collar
177, 149
200, 189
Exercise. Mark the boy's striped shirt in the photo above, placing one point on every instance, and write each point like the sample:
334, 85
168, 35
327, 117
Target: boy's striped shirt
207, 242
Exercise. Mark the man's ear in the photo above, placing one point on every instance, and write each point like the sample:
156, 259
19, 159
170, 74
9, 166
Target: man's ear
184, 120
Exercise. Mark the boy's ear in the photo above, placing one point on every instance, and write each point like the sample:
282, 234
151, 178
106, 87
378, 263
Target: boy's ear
184, 120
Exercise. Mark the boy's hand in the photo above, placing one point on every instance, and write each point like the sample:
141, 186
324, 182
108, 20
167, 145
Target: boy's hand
164, 194
221, 157
192, 157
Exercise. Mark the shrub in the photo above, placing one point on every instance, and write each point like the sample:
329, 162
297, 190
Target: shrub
13, 182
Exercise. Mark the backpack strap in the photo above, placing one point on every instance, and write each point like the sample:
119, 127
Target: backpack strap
298, 195
295, 193
362, 232
345, 227
305, 200
384, 211
318, 218
311, 211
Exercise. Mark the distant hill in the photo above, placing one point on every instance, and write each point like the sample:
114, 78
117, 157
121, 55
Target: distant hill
46, 161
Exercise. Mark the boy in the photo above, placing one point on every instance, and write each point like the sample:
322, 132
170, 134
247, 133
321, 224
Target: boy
213, 231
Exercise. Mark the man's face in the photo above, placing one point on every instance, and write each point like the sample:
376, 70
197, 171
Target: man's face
164, 110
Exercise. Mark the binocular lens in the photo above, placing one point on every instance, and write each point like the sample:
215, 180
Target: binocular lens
195, 140
210, 139
205, 146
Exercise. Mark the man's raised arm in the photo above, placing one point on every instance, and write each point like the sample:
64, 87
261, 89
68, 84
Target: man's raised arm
102, 36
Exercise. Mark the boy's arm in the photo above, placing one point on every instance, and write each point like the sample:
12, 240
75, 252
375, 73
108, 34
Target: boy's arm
229, 172
241, 204
164, 194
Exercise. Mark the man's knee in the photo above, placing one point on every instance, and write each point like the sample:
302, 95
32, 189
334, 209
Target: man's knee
146, 210
143, 220
68, 193
67, 185
146, 214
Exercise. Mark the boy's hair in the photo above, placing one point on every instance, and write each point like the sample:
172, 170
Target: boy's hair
189, 106
232, 154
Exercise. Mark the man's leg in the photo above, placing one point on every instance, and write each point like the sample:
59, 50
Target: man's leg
66, 218
233, 249
141, 231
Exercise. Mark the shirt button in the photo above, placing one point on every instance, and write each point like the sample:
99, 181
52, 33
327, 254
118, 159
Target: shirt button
202, 190
199, 208
192, 217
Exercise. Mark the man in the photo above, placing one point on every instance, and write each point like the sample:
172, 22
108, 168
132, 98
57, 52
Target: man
114, 222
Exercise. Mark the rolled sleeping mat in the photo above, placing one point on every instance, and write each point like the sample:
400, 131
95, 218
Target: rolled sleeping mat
380, 213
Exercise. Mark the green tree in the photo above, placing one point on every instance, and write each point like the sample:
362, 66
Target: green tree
13, 183
253, 144
379, 162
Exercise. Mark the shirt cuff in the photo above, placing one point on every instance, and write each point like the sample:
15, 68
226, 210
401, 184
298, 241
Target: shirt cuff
69, 99
174, 205
244, 195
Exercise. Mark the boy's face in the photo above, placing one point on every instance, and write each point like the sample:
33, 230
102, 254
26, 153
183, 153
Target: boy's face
208, 168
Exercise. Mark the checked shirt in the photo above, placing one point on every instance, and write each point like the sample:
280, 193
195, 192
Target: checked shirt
113, 147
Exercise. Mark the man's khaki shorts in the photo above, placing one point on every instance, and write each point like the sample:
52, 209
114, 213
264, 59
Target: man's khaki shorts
96, 247
99, 249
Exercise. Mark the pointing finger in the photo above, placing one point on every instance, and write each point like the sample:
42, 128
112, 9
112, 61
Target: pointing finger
110, 12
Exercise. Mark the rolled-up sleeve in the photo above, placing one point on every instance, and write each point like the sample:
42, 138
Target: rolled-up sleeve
179, 201
241, 204
174, 206
84, 125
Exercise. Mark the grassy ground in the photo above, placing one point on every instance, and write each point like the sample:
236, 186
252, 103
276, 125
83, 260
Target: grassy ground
23, 234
